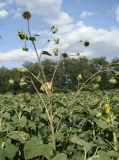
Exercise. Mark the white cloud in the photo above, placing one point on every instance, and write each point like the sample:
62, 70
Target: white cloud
2, 4
85, 14
50, 10
117, 13
102, 42
17, 15
3, 13
16, 12
16, 56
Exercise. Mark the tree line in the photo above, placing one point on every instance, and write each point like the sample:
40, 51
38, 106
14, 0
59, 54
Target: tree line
71, 73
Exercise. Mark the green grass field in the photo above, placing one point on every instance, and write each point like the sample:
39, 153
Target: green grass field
87, 129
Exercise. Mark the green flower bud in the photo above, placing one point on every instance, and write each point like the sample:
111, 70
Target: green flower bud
22, 69
80, 77
98, 78
55, 51
22, 80
21, 35
23, 83
26, 96
64, 55
54, 29
107, 107
56, 40
86, 43
116, 73
11, 81
25, 49
112, 81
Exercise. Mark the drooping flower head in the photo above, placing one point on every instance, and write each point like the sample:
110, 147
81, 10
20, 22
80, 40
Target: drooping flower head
86, 43
54, 29
26, 15
22, 69
21, 35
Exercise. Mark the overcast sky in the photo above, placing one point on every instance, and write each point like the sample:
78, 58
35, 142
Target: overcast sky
93, 20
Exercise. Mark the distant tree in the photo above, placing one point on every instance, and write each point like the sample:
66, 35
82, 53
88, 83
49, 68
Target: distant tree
66, 75
98, 63
16, 87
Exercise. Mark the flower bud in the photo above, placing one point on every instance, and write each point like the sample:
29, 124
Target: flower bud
112, 81
64, 55
107, 107
80, 77
21, 35
86, 43
25, 49
54, 29
56, 40
55, 51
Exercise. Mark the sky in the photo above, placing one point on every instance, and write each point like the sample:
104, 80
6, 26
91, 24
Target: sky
96, 21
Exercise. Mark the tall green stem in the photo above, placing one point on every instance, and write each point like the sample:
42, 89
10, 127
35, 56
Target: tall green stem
49, 112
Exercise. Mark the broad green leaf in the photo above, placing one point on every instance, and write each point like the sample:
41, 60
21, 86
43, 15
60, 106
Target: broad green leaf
28, 109
6, 115
60, 156
15, 119
23, 121
94, 158
34, 148
101, 124
87, 146
99, 142
32, 38
10, 151
19, 136
113, 153
4, 142
2, 155
59, 136
104, 155
46, 53
78, 155
32, 125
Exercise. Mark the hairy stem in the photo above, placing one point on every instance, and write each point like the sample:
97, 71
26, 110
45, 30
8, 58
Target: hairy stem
50, 117
77, 93
49, 113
